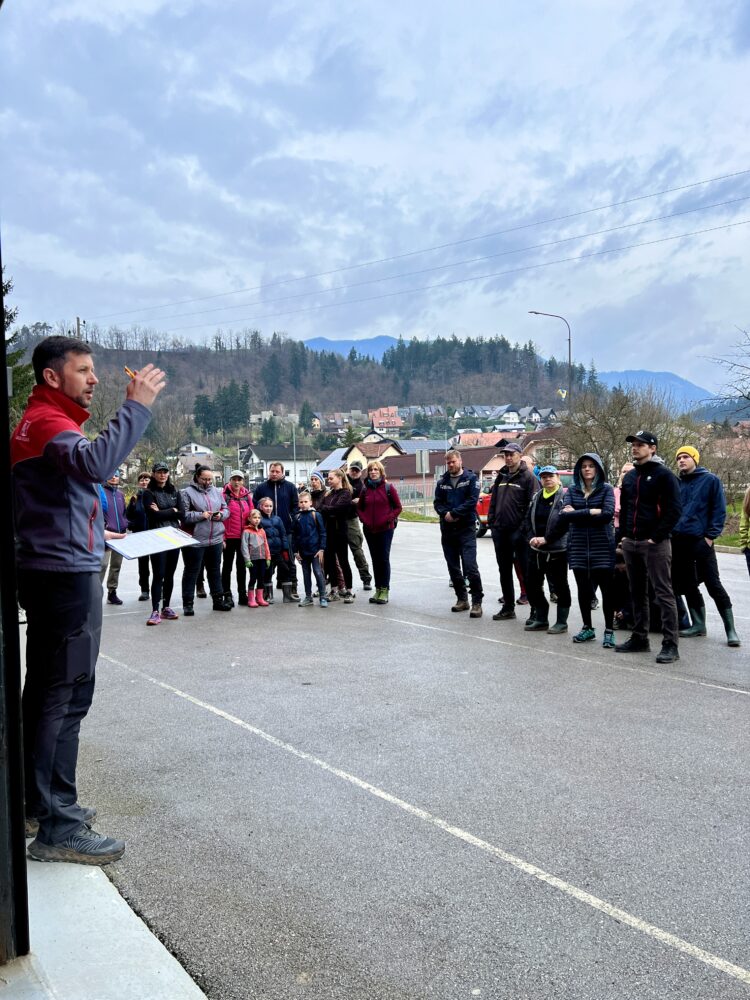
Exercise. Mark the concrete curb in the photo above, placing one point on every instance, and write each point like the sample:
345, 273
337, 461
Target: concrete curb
86, 941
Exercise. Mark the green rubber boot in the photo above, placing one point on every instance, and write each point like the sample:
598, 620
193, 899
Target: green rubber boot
728, 618
698, 618
561, 625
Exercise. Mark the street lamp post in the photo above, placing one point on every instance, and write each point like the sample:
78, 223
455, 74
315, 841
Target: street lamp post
535, 312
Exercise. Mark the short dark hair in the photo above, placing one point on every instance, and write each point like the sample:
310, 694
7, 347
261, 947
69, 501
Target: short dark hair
52, 353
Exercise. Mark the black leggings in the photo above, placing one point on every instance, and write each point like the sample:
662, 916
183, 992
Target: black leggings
587, 581
163, 566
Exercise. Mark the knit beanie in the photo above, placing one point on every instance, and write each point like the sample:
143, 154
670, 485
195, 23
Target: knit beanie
687, 449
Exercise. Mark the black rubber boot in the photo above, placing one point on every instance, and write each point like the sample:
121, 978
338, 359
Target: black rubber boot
228, 599
287, 590
187, 610
220, 603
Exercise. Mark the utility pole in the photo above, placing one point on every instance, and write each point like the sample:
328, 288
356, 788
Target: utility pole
535, 312
14, 905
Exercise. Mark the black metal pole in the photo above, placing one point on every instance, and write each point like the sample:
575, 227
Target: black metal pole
536, 312
14, 904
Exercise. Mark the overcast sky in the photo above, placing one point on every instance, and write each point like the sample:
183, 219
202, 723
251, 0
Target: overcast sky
157, 152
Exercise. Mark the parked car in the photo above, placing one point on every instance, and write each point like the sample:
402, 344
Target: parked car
483, 505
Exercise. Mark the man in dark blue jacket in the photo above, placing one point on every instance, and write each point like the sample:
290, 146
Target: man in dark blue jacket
456, 496
704, 512
285, 505
59, 548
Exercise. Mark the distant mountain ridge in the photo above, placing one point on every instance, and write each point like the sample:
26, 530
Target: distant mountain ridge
684, 393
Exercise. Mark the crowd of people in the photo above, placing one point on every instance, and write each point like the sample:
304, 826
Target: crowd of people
643, 545
254, 536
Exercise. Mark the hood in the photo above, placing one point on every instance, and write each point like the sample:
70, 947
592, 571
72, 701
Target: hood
244, 492
593, 457
699, 470
654, 460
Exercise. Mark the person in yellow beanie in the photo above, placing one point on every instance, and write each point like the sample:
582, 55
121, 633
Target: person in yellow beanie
704, 512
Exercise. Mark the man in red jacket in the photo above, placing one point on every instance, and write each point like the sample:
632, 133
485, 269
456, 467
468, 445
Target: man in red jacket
59, 548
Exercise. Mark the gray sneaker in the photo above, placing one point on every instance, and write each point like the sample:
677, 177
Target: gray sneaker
306, 602
82, 847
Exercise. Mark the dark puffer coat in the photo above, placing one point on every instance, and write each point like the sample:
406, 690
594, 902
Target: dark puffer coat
591, 537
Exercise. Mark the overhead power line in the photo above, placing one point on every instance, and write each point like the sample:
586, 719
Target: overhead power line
457, 263
477, 277
439, 246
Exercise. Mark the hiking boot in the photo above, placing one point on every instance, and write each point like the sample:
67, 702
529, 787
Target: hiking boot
306, 602
201, 590
535, 625
505, 613
112, 598
585, 635
476, 610
608, 642
32, 823
561, 625
187, 610
461, 604
669, 652
82, 847
144, 595
242, 600
155, 618
375, 596
220, 603
333, 595
228, 599
168, 615
635, 644
382, 596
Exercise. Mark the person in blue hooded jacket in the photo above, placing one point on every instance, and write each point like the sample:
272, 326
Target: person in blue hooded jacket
704, 511
589, 510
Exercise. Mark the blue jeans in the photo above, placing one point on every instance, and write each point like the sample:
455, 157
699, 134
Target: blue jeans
310, 565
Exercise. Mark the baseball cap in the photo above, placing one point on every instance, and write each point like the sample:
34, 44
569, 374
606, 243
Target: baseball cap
645, 437
512, 446
160, 467
356, 465
236, 473
548, 468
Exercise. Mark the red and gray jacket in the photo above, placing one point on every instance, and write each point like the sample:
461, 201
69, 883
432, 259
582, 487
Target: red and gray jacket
56, 472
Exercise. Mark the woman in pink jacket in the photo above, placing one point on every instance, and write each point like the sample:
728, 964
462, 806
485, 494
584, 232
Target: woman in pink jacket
378, 508
240, 503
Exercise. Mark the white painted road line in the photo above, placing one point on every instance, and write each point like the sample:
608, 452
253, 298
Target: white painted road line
609, 663
567, 888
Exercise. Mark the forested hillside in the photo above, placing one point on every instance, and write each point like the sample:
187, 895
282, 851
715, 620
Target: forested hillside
279, 371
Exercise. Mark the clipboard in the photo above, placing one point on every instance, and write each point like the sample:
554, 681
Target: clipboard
146, 543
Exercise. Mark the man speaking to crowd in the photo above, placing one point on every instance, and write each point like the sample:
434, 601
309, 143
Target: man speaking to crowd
60, 545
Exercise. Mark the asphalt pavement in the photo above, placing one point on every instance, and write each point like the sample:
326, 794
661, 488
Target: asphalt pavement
400, 802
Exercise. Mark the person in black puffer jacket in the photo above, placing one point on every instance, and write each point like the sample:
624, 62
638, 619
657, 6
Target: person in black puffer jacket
285, 499
650, 507
163, 506
589, 509
546, 530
